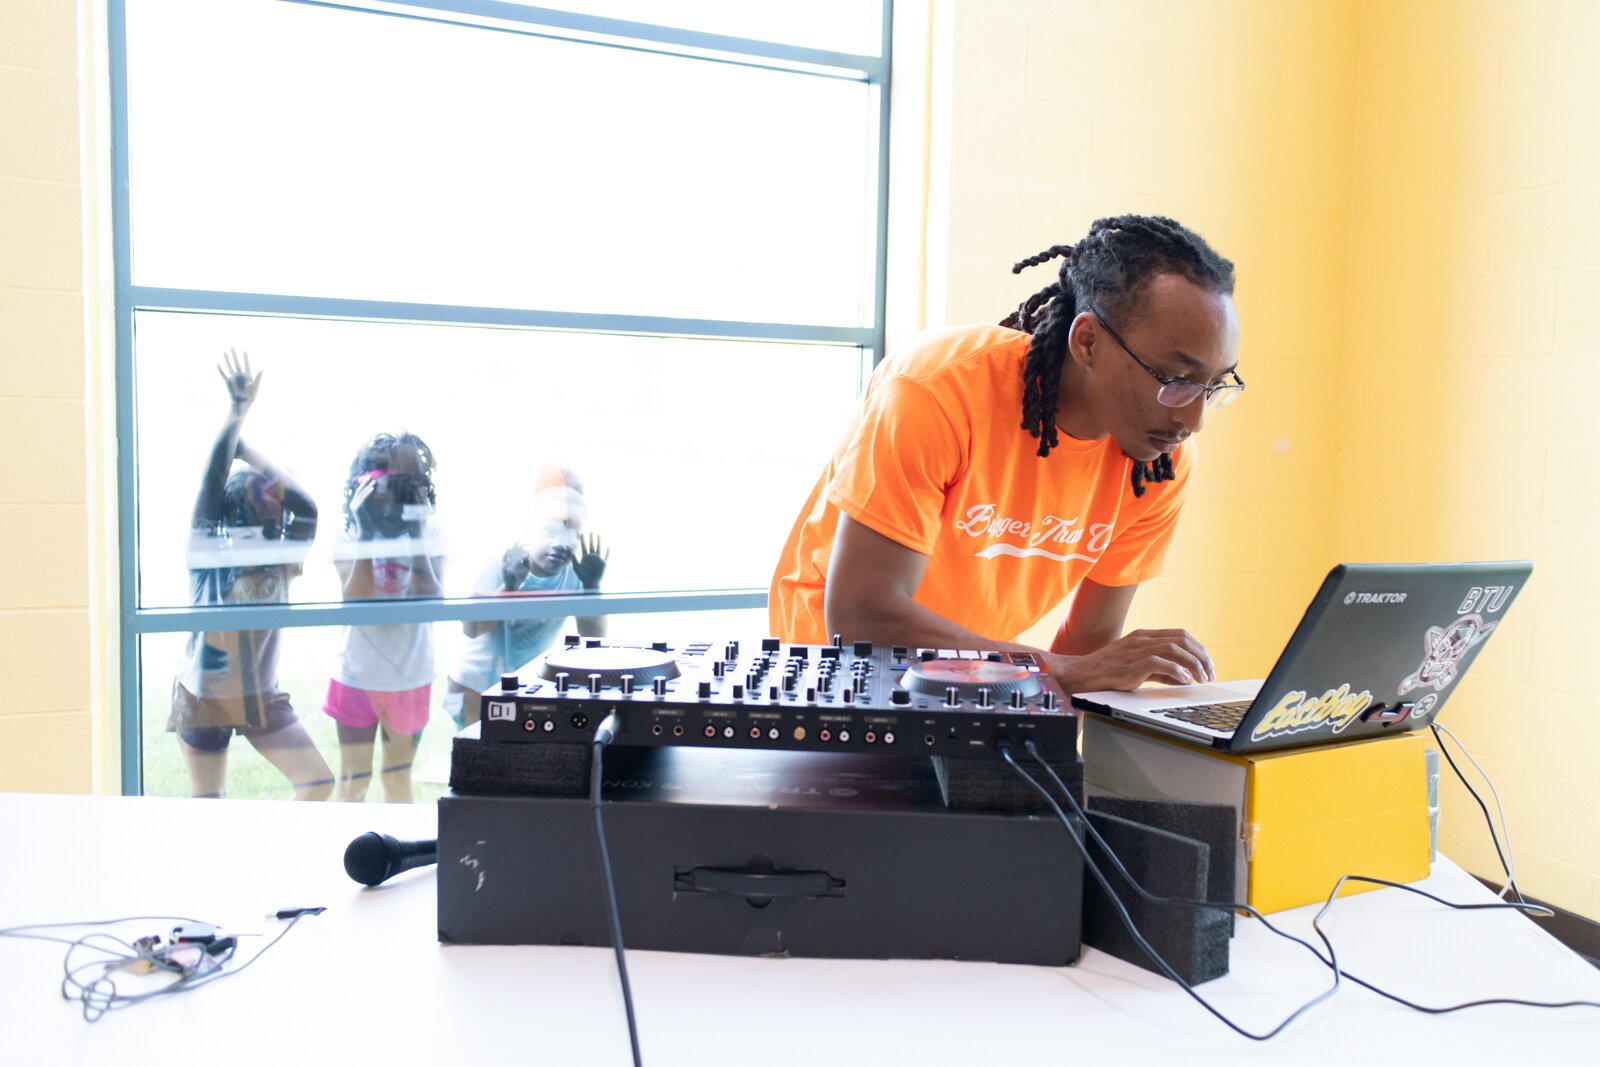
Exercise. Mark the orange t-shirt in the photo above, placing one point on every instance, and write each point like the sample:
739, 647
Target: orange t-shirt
938, 461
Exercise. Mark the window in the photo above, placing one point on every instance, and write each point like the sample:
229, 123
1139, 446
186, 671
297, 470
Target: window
610, 281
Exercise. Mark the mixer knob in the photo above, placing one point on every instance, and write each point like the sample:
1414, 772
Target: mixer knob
927, 654
772, 692
825, 683
799, 652
594, 683
983, 696
738, 691
659, 687
838, 640
994, 657
627, 684
811, 695
770, 644
848, 695
718, 668
703, 691
900, 696
899, 652
1017, 699
752, 679
508, 682
1049, 701
593, 642
573, 640
658, 646
829, 654
561, 681
952, 698
732, 651
789, 682
863, 648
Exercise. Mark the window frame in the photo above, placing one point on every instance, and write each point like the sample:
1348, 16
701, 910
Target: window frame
136, 621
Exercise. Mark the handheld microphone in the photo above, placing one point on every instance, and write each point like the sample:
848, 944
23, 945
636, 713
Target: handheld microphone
374, 858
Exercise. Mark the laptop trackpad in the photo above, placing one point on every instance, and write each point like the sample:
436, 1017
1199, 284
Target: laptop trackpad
1157, 698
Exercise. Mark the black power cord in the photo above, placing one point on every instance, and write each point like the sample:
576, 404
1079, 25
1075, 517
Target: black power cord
1505, 865
603, 735
1330, 960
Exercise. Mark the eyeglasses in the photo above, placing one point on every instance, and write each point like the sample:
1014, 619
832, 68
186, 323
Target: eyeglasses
1180, 392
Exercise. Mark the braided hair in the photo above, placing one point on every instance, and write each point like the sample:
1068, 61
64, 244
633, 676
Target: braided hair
1108, 270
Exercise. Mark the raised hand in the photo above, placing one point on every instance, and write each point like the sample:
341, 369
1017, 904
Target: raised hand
242, 385
515, 566
590, 561
1170, 656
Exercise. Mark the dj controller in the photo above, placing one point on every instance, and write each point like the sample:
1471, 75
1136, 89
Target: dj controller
771, 695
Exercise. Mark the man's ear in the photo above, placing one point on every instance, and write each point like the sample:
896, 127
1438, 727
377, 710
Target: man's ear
1082, 336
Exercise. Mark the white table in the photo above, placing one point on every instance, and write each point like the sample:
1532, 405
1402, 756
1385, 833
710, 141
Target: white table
368, 982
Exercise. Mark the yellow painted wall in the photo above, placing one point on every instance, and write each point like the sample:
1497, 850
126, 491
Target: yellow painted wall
47, 734
1411, 190
1238, 119
1469, 384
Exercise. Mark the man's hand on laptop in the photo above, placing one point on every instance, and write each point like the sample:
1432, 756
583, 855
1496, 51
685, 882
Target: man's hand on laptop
1172, 657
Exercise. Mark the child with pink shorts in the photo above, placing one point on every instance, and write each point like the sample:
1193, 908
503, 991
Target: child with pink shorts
390, 547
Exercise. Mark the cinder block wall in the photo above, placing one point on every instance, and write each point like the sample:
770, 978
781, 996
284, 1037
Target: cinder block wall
1468, 382
46, 732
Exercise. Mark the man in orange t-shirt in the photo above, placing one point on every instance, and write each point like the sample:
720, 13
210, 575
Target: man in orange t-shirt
994, 471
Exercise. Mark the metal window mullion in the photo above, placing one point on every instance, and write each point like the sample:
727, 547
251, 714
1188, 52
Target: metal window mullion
191, 618
602, 31
215, 301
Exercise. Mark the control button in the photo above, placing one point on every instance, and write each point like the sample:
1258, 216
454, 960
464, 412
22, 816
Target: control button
718, 668
928, 654
703, 691
849, 695
829, 654
1049, 701
952, 698
738, 691
627, 684
1017, 699
593, 642
811, 695
900, 696
562, 681
573, 640
508, 682
594, 682
838, 640
899, 652
772, 692
862, 648
732, 651
983, 696
659, 685
658, 646
799, 652
770, 644
994, 657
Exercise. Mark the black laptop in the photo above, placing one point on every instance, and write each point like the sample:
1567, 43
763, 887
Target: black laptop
1379, 650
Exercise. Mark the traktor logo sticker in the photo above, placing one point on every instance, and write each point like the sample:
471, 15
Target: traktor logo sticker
1445, 646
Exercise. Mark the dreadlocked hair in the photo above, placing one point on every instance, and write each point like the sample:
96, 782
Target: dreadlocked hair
1108, 270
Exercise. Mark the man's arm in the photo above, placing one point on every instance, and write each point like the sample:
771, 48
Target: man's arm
873, 579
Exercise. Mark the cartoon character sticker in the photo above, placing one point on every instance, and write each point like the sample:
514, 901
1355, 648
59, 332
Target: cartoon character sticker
1445, 646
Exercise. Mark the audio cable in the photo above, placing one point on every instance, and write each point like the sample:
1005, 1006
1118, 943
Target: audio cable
198, 962
603, 736
1330, 960
1508, 861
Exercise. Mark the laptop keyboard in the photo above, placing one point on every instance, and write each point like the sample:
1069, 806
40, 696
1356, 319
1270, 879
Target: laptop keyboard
1221, 717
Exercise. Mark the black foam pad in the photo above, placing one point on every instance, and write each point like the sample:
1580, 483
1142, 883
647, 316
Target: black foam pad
1193, 941
1214, 824
488, 769
992, 784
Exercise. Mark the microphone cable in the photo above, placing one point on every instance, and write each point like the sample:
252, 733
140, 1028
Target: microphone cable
603, 735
